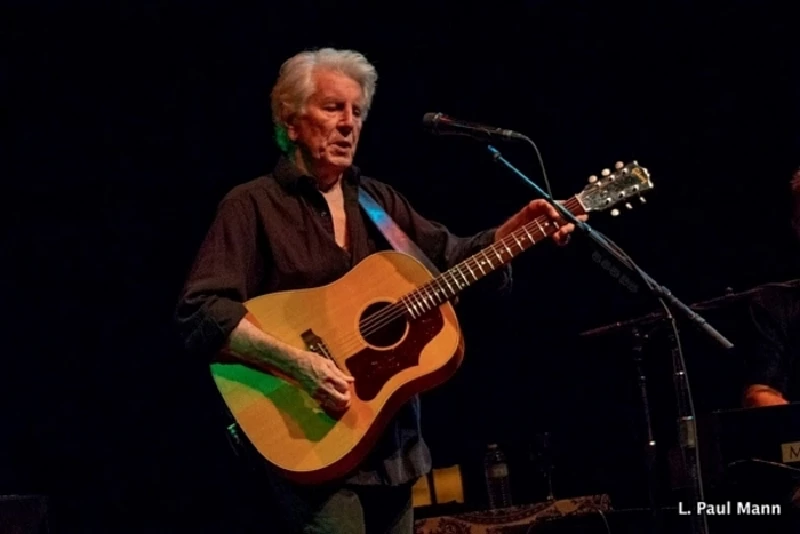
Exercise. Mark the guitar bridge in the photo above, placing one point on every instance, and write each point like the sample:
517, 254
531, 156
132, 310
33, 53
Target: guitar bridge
314, 343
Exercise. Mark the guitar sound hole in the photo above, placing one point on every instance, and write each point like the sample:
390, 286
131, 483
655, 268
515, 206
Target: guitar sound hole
382, 330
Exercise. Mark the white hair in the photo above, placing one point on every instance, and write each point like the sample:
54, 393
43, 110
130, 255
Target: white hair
295, 84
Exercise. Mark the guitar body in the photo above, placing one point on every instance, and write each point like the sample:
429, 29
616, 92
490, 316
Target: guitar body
390, 365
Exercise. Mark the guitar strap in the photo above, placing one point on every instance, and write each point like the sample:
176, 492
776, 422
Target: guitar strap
396, 237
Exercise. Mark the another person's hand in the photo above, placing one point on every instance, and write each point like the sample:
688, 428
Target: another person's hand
758, 396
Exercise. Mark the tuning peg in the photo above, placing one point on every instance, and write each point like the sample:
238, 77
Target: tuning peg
628, 205
605, 172
614, 212
592, 179
635, 162
619, 165
643, 200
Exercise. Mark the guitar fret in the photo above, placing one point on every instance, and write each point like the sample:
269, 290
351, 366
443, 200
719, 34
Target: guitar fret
434, 297
425, 298
435, 289
410, 307
442, 290
430, 303
466, 282
428, 298
530, 237
454, 272
474, 278
416, 307
488, 260
448, 286
456, 282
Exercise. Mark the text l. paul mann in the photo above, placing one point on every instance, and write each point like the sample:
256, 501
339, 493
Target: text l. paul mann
726, 508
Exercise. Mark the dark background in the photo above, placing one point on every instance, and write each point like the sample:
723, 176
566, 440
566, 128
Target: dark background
129, 121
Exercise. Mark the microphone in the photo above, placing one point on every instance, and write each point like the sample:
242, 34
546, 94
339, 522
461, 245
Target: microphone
441, 124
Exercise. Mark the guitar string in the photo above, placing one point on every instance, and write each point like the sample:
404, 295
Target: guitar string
399, 308
381, 318
415, 301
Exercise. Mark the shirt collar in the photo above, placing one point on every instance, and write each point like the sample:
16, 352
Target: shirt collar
289, 176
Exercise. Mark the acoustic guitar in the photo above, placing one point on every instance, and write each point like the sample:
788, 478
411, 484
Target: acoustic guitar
390, 324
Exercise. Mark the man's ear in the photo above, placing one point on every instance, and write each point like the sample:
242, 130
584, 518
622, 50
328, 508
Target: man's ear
290, 124
291, 132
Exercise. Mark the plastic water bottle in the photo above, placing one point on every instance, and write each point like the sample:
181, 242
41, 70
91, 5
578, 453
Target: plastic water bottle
498, 485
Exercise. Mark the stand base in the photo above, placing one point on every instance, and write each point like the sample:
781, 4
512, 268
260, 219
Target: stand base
637, 521
524, 518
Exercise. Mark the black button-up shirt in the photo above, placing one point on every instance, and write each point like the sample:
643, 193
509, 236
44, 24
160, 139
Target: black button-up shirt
275, 233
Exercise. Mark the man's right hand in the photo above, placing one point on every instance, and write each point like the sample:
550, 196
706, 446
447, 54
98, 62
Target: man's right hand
319, 376
324, 381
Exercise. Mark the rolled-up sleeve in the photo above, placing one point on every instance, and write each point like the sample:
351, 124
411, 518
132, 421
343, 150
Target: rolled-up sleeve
224, 275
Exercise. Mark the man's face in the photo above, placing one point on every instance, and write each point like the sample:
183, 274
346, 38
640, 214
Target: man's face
327, 130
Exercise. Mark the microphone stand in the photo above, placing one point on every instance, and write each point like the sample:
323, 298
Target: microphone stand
686, 415
650, 452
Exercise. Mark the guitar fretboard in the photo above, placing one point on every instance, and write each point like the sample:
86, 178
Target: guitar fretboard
448, 284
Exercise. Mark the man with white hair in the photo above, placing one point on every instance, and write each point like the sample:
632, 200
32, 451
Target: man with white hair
301, 226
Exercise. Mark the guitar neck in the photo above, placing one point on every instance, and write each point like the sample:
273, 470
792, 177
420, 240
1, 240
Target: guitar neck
450, 283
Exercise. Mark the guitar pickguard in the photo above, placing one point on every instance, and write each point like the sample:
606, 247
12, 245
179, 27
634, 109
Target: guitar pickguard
373, 368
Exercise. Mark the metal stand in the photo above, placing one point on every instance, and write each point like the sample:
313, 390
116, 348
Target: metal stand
687, 430
650, 443
542, 458
670, 303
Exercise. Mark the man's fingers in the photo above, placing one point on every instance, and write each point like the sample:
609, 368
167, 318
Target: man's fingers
340, 397
338, 372
339, 378
331, 398
336, 401
339, 383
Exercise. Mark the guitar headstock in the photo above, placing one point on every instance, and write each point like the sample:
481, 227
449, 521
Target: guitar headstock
612, 188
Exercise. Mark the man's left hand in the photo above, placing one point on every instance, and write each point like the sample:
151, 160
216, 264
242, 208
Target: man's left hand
537, 208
